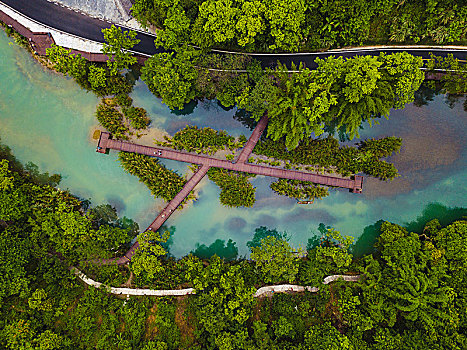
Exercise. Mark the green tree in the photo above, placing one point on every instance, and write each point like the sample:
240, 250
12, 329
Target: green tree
286, 19
176, 31
171, 77
325, 337
217, 21
276, 260
251, 22
147, 257
118, 42
97, 78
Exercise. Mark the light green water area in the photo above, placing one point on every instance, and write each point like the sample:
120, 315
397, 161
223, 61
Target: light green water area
47, 119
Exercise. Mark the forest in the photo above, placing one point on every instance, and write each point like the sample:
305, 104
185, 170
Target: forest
299, 25
412, 292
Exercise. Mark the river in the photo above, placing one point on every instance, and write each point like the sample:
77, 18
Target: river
47, 119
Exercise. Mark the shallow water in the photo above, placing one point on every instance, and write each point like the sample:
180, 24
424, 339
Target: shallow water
47, 119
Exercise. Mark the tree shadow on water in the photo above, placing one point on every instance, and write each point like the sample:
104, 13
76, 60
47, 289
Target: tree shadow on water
445, 215
188, 108
225, 251
365, 243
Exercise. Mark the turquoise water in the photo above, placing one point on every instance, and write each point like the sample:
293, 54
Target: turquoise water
47, 119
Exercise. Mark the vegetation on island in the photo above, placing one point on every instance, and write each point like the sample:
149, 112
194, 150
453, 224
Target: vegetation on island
260, 25
327, 154
416, 280
111, 119
236, 189
202, 140
162, 182
300, 190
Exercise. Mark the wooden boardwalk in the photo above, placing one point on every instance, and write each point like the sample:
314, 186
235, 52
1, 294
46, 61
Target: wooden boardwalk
250, 145
353, 184
205, 162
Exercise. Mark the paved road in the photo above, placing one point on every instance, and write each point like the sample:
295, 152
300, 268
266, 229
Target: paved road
90, 28
73, 22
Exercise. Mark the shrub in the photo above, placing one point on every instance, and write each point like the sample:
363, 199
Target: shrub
236, 191
112, 120
137, 116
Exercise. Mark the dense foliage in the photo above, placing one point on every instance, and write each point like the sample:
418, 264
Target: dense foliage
170, 77
181, 77
339, 94
162, 182
91, 76
259, 25
300, 190
327, 153
116, 46
236, 190
202, 140
112, 120
137, 116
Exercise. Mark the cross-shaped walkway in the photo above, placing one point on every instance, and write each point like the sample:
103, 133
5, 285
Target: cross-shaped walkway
206, 162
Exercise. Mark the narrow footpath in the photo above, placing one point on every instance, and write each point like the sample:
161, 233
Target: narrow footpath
106, 143
261, 292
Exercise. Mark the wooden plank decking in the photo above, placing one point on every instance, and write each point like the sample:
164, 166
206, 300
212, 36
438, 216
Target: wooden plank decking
250, 145
336, 181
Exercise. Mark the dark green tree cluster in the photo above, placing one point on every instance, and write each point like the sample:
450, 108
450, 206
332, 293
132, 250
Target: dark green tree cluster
223, 305
53, 221
227, 251
171, 77
114, 115
275, 260
340, 95
112, 120
137, 116
236, 189
300, 190
412, 294
162, 182
116, 46
346, 160
259, 25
